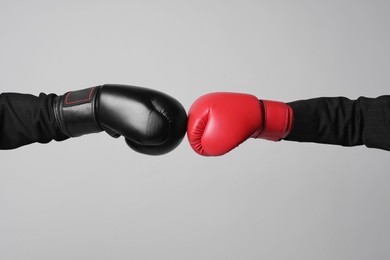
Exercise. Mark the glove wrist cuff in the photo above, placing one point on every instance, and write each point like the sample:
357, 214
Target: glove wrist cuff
75, 112
277, 120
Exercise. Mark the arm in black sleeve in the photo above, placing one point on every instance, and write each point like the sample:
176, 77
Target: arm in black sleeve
342, 121
25, 119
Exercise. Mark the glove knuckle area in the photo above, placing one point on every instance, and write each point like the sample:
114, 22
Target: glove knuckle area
220, 121
151, 121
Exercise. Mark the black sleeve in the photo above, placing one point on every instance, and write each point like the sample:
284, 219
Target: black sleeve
26, 119
342, 121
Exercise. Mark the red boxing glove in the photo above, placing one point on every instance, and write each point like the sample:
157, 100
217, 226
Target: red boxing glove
219, 122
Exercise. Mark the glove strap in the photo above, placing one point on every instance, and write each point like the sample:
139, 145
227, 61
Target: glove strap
277, 120
75, 112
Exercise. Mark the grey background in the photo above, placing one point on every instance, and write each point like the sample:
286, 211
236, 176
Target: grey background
94, 198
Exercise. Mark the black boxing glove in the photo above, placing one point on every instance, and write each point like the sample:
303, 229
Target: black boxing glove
152, 122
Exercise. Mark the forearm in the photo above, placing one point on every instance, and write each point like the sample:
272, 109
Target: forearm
342, 121
26, 119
